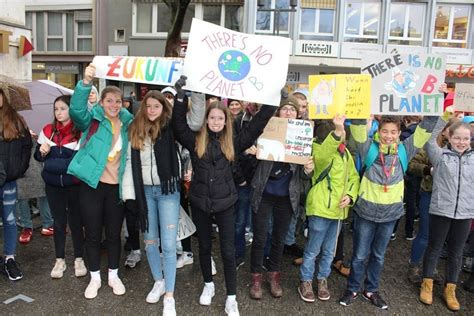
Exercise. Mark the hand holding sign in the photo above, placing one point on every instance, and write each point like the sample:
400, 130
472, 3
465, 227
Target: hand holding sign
180, 83
89, 74
309, 165
338, 121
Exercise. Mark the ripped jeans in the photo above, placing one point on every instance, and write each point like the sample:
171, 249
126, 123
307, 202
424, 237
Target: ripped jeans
8, 201
163, 216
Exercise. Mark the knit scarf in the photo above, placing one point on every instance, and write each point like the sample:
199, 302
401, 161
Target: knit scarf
167, 163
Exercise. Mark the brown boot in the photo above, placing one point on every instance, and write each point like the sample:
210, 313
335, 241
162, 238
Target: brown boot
449, 295
275, 287
426, 291
341, 268
256, 288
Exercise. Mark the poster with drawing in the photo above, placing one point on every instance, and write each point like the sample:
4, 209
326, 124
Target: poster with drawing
236, 65
406, 84
464, 97
151, 70
339, 94
287, 140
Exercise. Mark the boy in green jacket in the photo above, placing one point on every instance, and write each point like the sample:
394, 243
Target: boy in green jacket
335, 185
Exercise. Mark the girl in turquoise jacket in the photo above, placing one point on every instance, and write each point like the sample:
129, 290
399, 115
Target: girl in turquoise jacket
99, 164
335, 185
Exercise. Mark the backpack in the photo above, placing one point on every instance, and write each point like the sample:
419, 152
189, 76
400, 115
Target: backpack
92, 129
373, 152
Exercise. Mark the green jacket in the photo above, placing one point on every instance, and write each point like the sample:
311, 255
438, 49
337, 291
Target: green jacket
89, 163
420, 166
342, 179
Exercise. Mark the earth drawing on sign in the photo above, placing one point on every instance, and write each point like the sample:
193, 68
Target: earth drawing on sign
234, 65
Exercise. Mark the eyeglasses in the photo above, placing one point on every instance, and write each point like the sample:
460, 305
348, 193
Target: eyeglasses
169, 96
459, 139
288, 109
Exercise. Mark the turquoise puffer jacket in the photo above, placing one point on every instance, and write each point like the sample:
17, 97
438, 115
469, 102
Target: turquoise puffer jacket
89, 163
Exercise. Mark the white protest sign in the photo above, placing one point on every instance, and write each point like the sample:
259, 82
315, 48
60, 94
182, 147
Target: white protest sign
464, 97
406, 84
236, 65
287, 140
151, 70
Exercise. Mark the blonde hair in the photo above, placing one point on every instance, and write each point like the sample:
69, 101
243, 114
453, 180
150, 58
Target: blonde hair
142, 127
225, 138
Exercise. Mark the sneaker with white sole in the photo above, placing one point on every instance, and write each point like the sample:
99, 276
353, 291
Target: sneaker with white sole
134, 257
213, 266
80, 269
208, 293
184, 259
231, 307
117, 286
92, 288
169, 307
155, 293
58, 269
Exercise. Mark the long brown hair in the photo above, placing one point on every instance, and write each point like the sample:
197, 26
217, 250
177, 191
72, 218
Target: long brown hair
225, 138
142, 127
13, 124
67, 100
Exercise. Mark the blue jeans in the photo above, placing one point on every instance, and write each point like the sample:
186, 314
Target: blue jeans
24, 213
419, 244
290, 238
163, 216
8, 200
322, 237
370, 241
241, 212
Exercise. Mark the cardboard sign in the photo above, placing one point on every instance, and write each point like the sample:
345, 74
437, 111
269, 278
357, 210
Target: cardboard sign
464, 97
287, 140
186, 226
406, 84
236, 65
339, 94
151, 70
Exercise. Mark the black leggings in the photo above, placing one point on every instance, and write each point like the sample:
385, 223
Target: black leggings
133, 229
456, 231
64, 205
102, 207
225, 222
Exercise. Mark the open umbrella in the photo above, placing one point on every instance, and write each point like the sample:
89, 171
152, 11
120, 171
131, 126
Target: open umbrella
42, 94
17, 95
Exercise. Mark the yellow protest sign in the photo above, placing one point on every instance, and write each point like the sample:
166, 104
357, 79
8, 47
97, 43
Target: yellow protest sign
339, 94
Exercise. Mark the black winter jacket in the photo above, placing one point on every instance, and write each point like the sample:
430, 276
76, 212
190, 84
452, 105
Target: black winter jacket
212, 185
15, 156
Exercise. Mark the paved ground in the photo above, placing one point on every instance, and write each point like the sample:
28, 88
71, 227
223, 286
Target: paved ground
65, 296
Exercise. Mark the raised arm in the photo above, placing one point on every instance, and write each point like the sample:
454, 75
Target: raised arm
195, 116
247, 136
78, 111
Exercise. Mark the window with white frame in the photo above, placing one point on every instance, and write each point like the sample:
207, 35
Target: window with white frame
273, 22
452, 25
362, 21
154, 19
317, 20
407, 22
59, 31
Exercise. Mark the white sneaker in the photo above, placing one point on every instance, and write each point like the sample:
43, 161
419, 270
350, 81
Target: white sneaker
134, 257
231, 307
184, 259
92, 288
80, 269
58, 269
117, 286
168, 307
213, 266
208, 293
155, 293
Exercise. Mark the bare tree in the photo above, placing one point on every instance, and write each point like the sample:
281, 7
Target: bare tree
178, 11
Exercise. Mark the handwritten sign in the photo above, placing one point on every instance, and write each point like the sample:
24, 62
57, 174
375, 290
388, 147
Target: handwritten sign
287, 140
339, 94
406, 84
464, 97
152, 70
236, 65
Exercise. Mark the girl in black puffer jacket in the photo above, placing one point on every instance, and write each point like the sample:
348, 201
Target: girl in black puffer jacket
57, 144
15, 151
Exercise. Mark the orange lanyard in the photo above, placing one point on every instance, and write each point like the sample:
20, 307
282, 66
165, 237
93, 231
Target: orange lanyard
388, 173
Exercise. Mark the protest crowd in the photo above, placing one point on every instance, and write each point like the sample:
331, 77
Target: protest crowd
180, 159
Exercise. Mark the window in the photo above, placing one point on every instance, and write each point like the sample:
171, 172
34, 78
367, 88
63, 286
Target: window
273, 22
317, 20
154, 19
407, 23
451, 26
54, 31
362, 21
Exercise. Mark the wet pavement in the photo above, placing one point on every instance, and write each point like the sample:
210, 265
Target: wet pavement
66, 295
